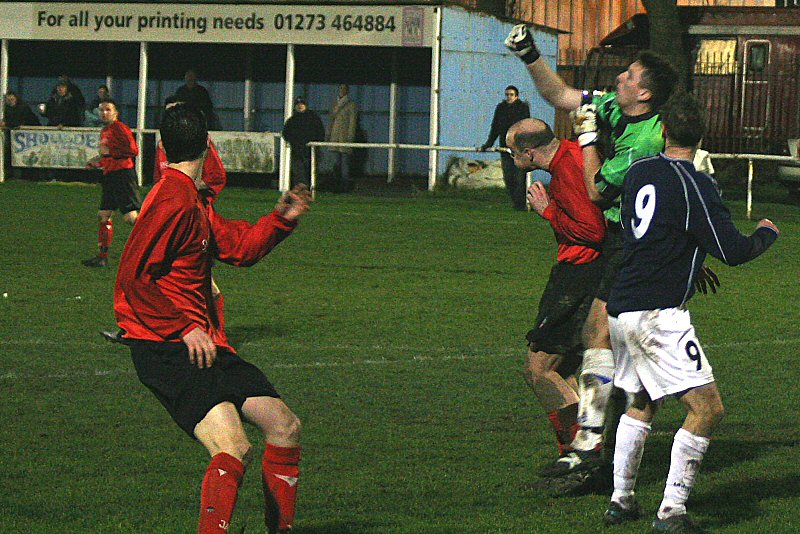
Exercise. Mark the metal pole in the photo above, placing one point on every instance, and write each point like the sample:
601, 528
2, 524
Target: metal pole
433, 155
284, 180
3, 90
141, 109
110, 67
749, 189
313, 171
392, 117
248, 89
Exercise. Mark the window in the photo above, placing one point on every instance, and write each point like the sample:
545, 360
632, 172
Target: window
716, 56
757, 58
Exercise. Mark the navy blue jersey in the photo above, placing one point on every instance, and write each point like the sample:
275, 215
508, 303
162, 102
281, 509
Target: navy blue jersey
672, 216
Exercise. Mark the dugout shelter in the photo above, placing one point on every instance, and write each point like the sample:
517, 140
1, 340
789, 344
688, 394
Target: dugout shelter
421, 73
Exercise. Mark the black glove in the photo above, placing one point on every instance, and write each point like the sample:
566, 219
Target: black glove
520, 41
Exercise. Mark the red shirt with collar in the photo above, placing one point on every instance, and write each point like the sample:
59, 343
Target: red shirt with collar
213, 171
577, 222
121, 147
163, 288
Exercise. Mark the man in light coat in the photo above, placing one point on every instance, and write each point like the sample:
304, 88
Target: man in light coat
342, 129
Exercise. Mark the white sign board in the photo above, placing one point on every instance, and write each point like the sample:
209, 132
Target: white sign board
61, 149
246, 151
354, 25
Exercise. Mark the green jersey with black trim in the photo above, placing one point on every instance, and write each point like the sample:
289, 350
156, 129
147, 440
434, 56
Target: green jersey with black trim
632, 138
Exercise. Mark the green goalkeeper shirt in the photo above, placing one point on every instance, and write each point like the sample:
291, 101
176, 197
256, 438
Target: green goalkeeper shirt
632, 138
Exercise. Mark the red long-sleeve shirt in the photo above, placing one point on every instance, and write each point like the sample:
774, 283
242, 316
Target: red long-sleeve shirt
163, 288
577, 222
121, 147
214, 174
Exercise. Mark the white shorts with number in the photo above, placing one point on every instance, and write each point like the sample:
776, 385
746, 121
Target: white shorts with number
657, 350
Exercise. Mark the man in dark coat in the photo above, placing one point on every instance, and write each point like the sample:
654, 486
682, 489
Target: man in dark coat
508, 112
196, 95
303, 126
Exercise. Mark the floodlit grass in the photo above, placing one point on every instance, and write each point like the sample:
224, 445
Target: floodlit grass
394, 328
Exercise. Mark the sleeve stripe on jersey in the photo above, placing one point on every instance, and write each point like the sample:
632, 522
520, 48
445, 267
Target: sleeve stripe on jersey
684, 173
691, 270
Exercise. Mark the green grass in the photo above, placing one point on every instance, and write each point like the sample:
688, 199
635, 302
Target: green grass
394, 328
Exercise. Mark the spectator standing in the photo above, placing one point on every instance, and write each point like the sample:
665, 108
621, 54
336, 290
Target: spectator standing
74, 90
16, 113
342, 128
196, 95
63, 108
93, 113
303, 126
508, 112
119, 188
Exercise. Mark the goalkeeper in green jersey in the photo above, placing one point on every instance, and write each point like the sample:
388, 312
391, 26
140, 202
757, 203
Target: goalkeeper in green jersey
630, 116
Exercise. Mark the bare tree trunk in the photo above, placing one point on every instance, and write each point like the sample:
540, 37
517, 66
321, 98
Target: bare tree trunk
667, 34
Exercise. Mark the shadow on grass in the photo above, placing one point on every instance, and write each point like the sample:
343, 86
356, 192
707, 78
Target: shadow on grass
740, 500
241, 334
336, 527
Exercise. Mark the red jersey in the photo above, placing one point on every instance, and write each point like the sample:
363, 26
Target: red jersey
577, 222
121, 147
214, 174
163, 288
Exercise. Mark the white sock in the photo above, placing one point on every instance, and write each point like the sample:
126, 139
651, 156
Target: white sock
631, 435
594, 388
687, 453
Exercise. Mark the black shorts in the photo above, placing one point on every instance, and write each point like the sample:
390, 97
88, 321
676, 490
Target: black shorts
188, 393
612, 251
120, 191
563, 309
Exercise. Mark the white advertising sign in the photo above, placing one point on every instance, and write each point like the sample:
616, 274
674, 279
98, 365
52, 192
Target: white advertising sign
246, 151
354, 25
62, 149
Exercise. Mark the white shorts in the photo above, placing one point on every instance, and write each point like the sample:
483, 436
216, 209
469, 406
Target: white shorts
658, 351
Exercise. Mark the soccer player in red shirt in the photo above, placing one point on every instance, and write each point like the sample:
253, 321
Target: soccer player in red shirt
554, 344
120, 191
163, 301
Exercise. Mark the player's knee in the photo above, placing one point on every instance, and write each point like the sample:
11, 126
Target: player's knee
537, 365
711, 412
131, 217
288, 427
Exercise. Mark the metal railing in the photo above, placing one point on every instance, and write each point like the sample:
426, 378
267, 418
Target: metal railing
431, 183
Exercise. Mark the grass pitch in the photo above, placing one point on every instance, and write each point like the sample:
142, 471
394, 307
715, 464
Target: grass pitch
394, 328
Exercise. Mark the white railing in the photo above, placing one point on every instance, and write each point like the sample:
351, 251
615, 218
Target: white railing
392, 146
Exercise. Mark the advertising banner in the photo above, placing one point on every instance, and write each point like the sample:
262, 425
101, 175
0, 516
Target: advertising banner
246, 151
61, 149
354, 25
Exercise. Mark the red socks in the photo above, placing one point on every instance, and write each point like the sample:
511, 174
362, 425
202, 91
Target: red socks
218, 495
104, 235
565, 424
279, 473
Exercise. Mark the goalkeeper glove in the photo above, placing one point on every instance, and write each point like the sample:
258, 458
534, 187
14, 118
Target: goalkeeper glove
520, 41
584, 124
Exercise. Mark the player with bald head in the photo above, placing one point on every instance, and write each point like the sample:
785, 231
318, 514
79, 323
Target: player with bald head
554, 344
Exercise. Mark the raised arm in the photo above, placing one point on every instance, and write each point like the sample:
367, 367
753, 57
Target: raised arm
548, 83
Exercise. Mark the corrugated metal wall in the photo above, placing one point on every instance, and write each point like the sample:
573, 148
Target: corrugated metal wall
476, 68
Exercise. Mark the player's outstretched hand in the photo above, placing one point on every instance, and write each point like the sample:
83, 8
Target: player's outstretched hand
295, 202
520, 41
766, 223
538, 197
202, 351
706, 279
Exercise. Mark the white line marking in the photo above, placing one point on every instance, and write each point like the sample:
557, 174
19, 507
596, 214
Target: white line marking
434, 354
